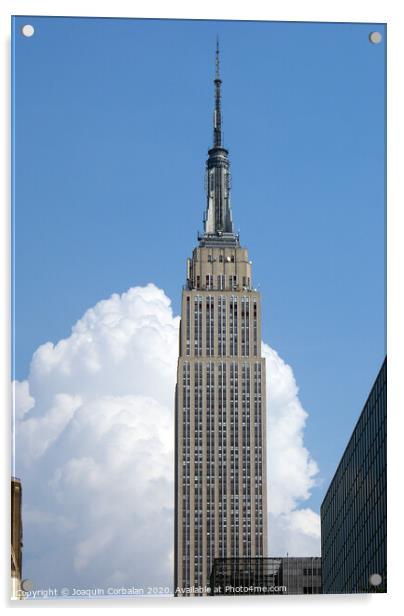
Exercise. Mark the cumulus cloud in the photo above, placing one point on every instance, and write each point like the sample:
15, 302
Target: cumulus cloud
295, 532
291, 469
23, 402
94, 448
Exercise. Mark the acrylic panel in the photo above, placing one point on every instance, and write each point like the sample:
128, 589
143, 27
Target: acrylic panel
199, 353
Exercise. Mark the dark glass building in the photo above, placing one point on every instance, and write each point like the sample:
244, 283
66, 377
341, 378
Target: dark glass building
354, 510
266, 576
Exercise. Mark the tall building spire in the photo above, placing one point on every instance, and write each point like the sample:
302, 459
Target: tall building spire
218, 223
217, 114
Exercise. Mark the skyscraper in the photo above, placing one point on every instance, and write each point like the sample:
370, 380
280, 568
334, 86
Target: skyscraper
354, 509
220, 418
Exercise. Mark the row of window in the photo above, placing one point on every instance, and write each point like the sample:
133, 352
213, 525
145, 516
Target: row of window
223, 282
229, 321
224, 374
186, 502
312, 571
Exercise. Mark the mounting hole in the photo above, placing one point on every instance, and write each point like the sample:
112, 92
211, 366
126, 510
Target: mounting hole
27, 585
375, 38
375, 579
28, 30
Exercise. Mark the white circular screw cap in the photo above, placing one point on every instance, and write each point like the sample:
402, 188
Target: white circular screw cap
375, 37
28, 30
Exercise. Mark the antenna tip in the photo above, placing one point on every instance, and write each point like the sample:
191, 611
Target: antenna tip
217, 58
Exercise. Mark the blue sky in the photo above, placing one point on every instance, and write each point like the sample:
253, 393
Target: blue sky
112, 126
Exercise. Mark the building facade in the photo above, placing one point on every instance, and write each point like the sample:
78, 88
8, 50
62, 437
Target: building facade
354, 510
16, 538
266, 576
220, 416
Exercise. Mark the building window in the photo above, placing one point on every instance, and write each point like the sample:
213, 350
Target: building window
210, 323
233, 325
222, 325
186, 405
255, 326
245, 326
210, 459
246, 496
188, 325
198, 325
198, 448
222, 447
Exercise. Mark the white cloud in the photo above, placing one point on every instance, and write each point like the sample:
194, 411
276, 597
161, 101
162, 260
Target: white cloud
38, 433
23, 402
296, 533
94, 439
291, 469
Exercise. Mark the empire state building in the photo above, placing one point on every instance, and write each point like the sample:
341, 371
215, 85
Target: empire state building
220, 414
